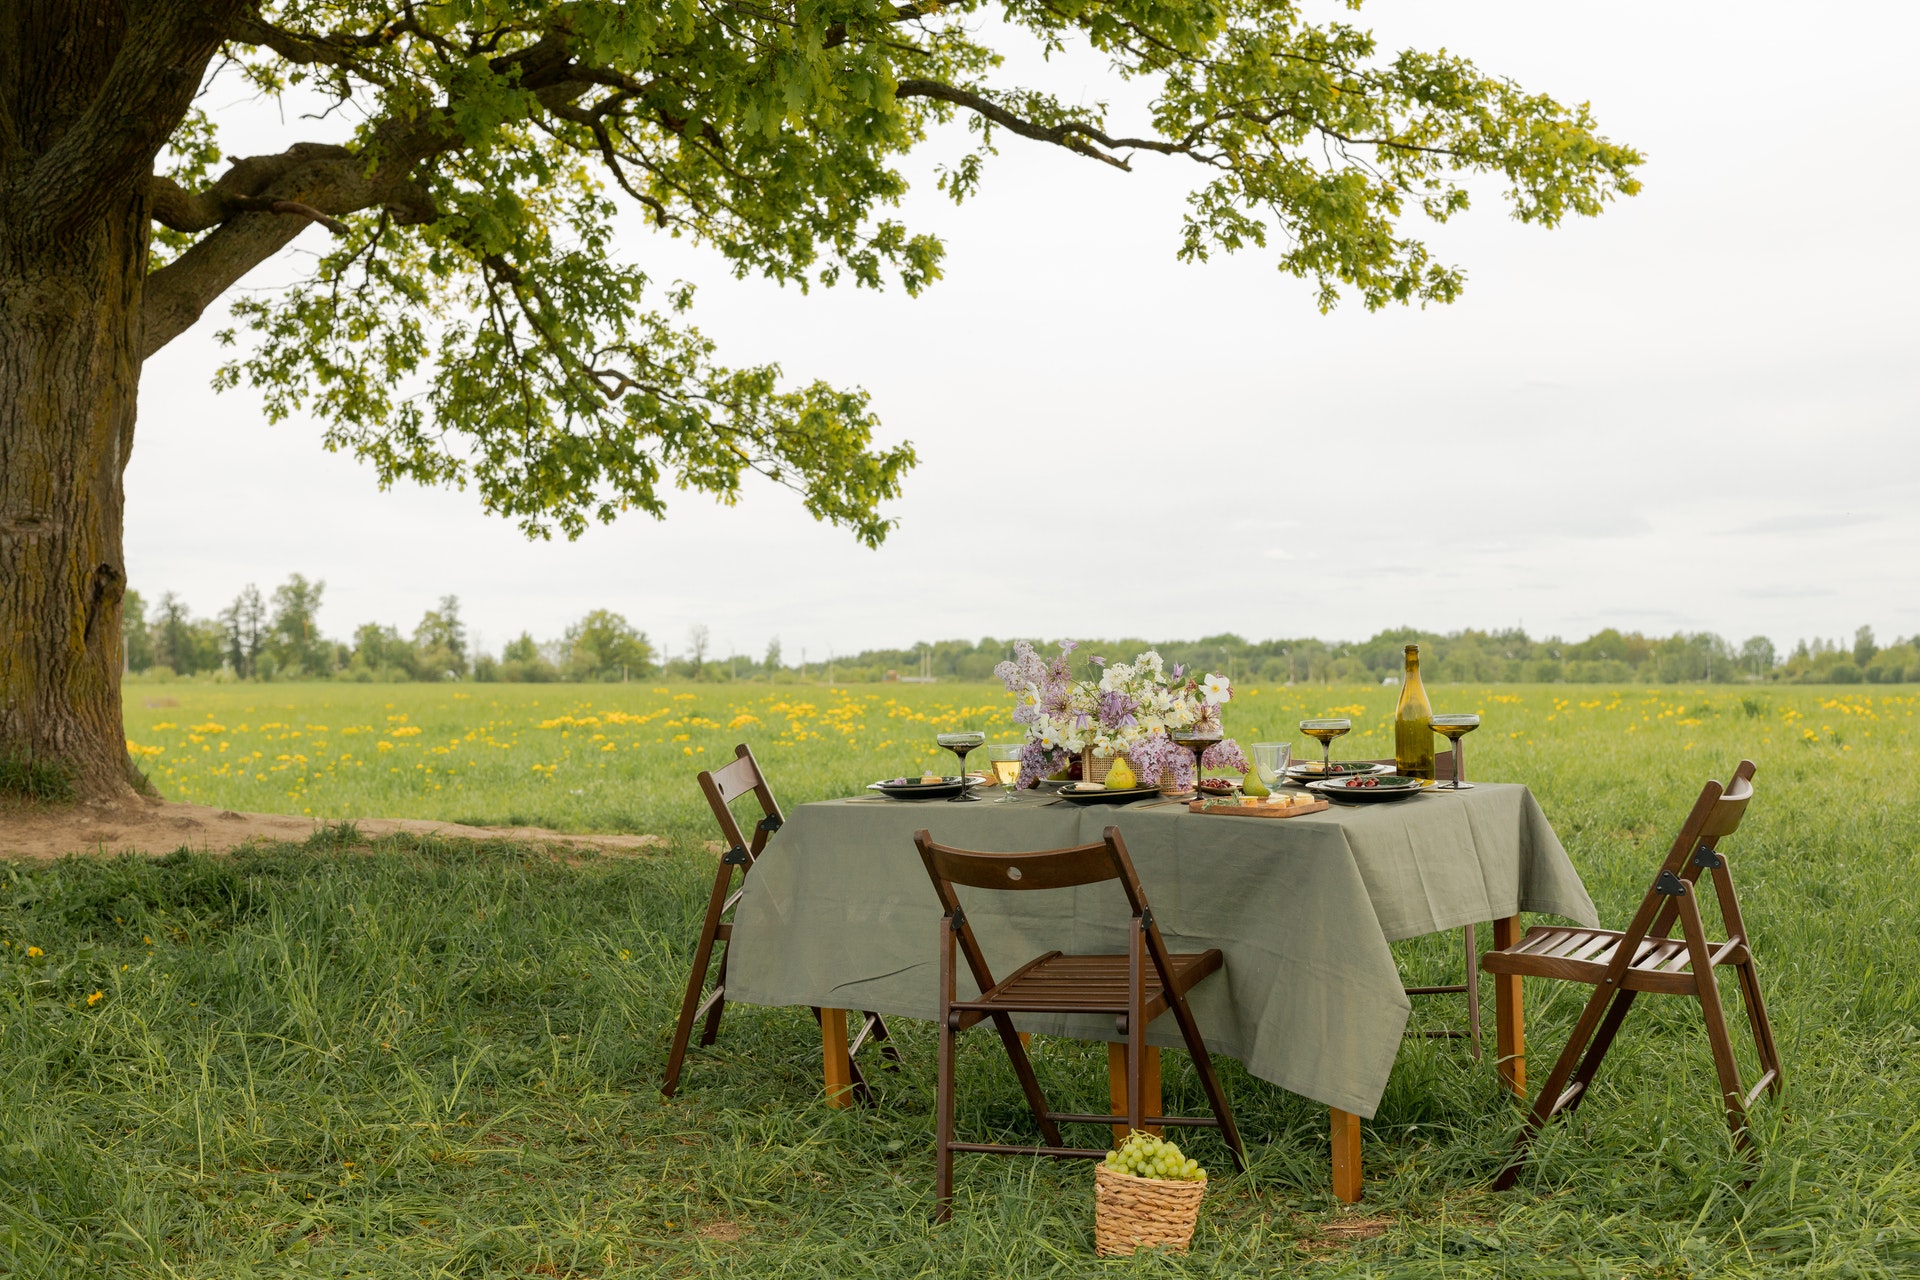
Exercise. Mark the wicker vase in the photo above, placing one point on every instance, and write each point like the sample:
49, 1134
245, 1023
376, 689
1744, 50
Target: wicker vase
1142, 1213
1095, 768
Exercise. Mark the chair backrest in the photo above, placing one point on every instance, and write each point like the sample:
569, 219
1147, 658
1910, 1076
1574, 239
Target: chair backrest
728, 783
1047, 869
1714, 816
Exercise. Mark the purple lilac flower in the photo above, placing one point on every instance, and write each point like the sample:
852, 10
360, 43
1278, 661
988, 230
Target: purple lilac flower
1158, 759
1225, 755
1037, 762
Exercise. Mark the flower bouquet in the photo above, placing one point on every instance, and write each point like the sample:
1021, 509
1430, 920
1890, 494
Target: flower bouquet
1127, 710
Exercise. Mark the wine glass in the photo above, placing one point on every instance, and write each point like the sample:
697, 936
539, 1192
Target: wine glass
1197, 743
1324, 731
1454, 728
1270, 761
1005, 759
961, 744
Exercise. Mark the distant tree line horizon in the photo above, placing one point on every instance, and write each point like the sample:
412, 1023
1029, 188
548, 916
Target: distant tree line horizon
276, 636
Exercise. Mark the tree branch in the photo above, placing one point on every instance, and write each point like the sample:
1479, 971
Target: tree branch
1081, 139
110, 147
256, 209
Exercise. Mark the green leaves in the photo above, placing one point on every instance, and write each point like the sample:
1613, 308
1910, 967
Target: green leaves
479, 326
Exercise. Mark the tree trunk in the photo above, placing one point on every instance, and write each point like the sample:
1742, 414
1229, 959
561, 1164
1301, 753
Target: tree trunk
69, 378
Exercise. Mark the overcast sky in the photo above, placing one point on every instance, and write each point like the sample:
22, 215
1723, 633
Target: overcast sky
1697, 411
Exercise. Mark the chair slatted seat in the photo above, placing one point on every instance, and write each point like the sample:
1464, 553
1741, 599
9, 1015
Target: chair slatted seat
722, 787
1135, 988
1643, 957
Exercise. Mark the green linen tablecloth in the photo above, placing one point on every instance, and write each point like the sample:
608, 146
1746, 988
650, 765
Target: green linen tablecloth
839, 913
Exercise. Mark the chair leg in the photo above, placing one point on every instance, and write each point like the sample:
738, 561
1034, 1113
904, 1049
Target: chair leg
1473, 990
1757, 1020
711, 1031
1715, 1015
1029, 1082
1602, 1041
1544, 1106
943, 1128
697, 981
1209, 1082
875, 1029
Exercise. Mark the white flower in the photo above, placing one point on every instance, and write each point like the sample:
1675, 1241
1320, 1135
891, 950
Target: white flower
1217, 690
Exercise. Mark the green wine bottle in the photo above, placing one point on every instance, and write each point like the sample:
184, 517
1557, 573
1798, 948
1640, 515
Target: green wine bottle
1413, 723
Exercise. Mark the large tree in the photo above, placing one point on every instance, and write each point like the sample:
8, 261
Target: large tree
471, 318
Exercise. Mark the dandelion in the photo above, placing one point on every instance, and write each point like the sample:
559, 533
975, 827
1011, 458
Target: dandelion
96, 998
34, 953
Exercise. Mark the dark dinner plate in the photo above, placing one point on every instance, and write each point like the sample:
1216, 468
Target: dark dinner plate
914, 789
1108, 797
1309, 771
1384, 790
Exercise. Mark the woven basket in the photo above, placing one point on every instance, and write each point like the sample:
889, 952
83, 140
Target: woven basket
1142, 1213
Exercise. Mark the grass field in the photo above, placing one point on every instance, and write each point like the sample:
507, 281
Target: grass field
620, 757
439, 1060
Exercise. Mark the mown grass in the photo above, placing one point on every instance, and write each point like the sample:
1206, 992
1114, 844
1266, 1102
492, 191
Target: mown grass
424, 1058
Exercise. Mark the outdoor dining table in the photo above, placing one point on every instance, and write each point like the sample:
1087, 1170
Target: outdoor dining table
838, 913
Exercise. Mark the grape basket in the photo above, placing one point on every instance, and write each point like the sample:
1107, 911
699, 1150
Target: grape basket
1142, 1213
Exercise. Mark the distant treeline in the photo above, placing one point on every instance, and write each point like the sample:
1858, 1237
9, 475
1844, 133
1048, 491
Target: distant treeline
276, 637
1456, 657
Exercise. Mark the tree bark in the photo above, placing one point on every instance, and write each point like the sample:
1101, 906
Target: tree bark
89, 92
69, 381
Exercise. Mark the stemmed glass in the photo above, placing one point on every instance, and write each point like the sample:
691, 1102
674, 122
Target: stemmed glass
1005, 759
1270, 761
961, 744
1324, 731
1454, 728
1197, 743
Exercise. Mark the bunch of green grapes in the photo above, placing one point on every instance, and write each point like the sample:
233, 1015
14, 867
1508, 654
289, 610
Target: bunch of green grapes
1145, 1156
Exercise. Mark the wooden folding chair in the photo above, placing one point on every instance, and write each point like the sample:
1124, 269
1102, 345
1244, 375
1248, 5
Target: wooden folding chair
722, 787
1134, 988
1619, 966
1470, 937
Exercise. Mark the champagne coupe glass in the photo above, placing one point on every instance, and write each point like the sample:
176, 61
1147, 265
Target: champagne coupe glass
961, 744
1197, 743
1454, 728
1005, 759
1324, 731
1270, 761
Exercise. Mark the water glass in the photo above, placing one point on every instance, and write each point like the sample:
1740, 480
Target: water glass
1270, 761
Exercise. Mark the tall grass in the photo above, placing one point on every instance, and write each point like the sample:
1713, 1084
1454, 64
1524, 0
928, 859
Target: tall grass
436, 1059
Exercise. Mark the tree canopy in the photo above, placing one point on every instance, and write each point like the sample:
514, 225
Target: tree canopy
476, 320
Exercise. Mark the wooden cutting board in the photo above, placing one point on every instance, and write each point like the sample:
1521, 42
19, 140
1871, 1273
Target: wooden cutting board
1255, 810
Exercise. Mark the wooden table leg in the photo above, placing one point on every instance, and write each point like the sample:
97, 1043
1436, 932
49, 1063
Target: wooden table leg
1117, 1087
1509, 1017
837, 1067
1346, 1154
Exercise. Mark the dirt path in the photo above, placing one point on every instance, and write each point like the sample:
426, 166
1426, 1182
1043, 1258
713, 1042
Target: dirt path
158, 826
